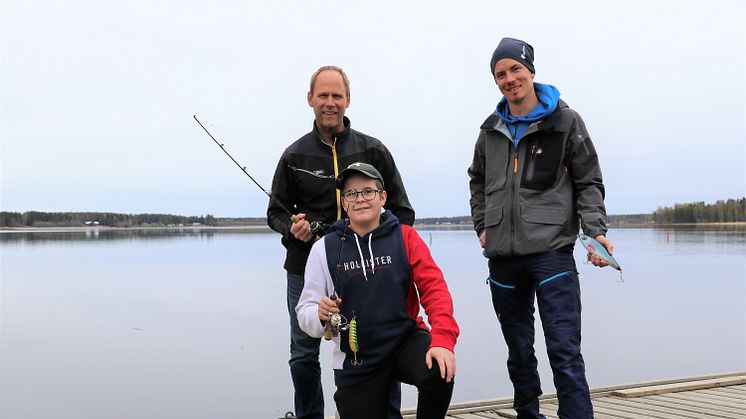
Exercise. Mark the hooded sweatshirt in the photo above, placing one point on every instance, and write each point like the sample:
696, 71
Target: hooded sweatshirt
383, 278
548, 98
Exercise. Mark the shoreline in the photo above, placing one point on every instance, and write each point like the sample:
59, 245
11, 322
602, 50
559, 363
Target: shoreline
662, 225
264, 227
63, 229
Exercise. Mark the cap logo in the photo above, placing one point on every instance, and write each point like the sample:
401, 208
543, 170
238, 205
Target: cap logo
523, 52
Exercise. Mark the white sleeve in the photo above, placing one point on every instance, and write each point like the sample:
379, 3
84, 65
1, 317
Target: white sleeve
317, 283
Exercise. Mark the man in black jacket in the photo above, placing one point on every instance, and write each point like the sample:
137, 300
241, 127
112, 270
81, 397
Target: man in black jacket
304, 182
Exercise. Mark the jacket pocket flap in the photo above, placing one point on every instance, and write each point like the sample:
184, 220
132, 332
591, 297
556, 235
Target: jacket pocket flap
543, 215
493, 216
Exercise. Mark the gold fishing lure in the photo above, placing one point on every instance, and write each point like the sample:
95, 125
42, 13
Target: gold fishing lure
353, 341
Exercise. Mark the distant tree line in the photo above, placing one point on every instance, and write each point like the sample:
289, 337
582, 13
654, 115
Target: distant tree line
462, 220
630, 219
732, 210
110, 219
66, 219
723, 211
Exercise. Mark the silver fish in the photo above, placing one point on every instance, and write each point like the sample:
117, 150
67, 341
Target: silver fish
597, 249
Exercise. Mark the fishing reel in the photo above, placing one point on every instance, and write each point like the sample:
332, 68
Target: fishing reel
318, 229
337, 323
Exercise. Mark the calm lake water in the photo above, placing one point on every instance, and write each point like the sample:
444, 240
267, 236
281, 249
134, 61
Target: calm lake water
192, 324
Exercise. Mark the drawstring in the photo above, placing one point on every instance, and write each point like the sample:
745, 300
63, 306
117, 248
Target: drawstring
360, 252
370, 250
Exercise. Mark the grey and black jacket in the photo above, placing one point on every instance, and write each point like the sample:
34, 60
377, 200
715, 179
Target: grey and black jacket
304, 183
533, 198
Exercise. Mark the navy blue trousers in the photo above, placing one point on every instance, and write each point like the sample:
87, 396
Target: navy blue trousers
551, 279
305, 369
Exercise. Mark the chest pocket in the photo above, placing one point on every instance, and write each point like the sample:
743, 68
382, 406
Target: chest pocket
543, 157
497, 152
316, 185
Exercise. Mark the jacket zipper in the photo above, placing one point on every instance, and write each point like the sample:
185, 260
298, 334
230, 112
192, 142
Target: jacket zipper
333, 146
512, 200
531, 162
336, 174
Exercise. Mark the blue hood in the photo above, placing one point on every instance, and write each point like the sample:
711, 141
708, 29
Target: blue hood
548, 98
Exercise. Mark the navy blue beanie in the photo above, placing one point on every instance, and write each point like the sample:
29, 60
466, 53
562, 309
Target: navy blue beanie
515, 49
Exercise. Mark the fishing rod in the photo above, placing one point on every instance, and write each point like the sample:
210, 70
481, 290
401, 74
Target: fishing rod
337, 322
316, 226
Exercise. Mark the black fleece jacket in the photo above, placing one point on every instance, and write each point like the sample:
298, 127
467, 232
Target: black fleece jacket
304, 183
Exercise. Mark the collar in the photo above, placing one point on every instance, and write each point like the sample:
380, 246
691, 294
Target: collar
493, 122
341, 135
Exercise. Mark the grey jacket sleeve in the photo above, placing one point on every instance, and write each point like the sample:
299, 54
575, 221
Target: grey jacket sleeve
477, 185
583, 166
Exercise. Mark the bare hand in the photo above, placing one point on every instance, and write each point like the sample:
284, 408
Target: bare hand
597, 261
483, 239
327, 307
446, 361
301, 229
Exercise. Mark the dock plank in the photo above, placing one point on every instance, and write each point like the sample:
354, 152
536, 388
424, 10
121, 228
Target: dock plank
671, 388
710, 399
693, 406
611, 412
708, 407
625, 411
634, 406
737, 390
722, 392
681, 410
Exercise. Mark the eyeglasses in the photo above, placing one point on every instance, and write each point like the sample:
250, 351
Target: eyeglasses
368, 194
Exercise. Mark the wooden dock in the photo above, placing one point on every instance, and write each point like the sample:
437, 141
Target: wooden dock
713, 396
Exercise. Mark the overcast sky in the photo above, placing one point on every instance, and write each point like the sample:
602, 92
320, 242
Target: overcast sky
98, 96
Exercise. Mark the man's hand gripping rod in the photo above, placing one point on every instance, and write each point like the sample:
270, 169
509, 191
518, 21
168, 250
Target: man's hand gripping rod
315, 225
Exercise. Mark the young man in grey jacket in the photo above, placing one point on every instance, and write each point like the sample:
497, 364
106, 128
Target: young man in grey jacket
534, 180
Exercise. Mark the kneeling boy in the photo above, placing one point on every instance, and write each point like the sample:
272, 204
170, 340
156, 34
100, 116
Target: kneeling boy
364, 283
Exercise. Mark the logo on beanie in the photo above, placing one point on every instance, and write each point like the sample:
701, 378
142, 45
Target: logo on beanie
516, 49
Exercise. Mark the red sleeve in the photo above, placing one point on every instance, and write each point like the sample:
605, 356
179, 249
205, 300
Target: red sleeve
432, 289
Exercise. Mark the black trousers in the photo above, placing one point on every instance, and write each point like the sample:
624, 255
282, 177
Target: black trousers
369, 399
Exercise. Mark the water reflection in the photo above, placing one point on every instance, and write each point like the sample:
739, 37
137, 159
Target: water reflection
688, 239
690, 234
97, 321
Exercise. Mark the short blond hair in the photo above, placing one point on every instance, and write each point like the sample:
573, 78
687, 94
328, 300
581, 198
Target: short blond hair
332, 68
